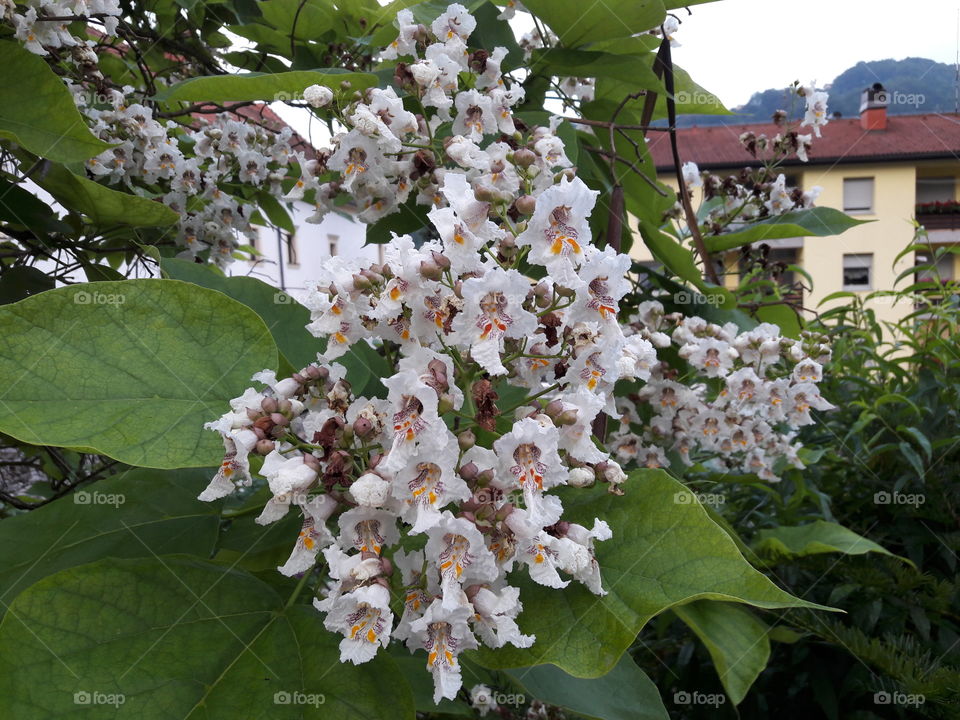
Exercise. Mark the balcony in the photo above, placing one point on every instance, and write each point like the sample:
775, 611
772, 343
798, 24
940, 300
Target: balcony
939, 215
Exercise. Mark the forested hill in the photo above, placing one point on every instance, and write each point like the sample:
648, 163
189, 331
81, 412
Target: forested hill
915, 85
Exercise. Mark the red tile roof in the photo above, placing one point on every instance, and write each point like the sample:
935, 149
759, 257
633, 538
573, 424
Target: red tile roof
907, 137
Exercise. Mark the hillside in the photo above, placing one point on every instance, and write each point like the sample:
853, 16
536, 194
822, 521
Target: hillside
916, 85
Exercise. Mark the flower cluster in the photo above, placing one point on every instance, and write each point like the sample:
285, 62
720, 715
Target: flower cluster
190, 169
436, 491
756, 194
195, 170
739, 406
43, 37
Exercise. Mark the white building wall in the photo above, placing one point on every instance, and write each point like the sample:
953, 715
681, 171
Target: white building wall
313, 244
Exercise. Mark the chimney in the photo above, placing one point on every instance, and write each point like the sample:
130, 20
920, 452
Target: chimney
873, 108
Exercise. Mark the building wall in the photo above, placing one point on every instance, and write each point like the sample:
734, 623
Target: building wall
313, 244
885, 237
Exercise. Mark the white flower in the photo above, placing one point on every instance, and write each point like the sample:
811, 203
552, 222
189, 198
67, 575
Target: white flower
367, 529
406, 43
364, 619
455, 22
370, 490
529, 461
558, 232
492, 311
425, 487
816, 111
494, 619
314, 536
289, 480
443, 632
318, 95
481, 697
475, 116
456, 548
691, 175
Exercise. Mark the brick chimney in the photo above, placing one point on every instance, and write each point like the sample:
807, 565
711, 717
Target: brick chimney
873, 108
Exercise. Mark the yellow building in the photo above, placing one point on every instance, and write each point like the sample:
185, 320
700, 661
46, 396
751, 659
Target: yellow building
888, 169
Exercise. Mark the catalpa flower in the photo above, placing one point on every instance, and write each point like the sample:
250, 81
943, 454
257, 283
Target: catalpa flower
492, 311
558, 232
363, 617
458, 551
444, 633
529, 461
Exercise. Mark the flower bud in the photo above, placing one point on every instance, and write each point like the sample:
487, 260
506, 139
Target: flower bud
361, 282
430, 270
567, 417
279, 419
581, 477
269, 405
526, 204
524, 158
362, 427
311, 461
265, 447
442, 261
445, 403
469, 471
466, 440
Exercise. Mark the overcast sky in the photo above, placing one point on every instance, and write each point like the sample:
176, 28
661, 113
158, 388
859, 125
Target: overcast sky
734, 48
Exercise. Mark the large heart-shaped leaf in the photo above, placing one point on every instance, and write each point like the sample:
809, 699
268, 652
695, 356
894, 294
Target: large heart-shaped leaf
818, 221
624, 693
814, 538
104, 206
37, 111
128, 369
174, 637
577, 23
286, 318
665, 552
736, 639
131, 514
263, 86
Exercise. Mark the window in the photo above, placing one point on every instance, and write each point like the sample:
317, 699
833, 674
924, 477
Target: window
293, 256
858, 195
858, 272
333, 240
935, 189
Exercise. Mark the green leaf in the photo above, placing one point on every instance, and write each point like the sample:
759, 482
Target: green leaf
37, 111
128, 369
736, 640
784, 316
624, 693
665, 551
578, 23
181, 638
812, 539
262, 86
818, 221
132, 514
19, 206
286, 318
102, 205
637, 70
21, 281
304, 19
